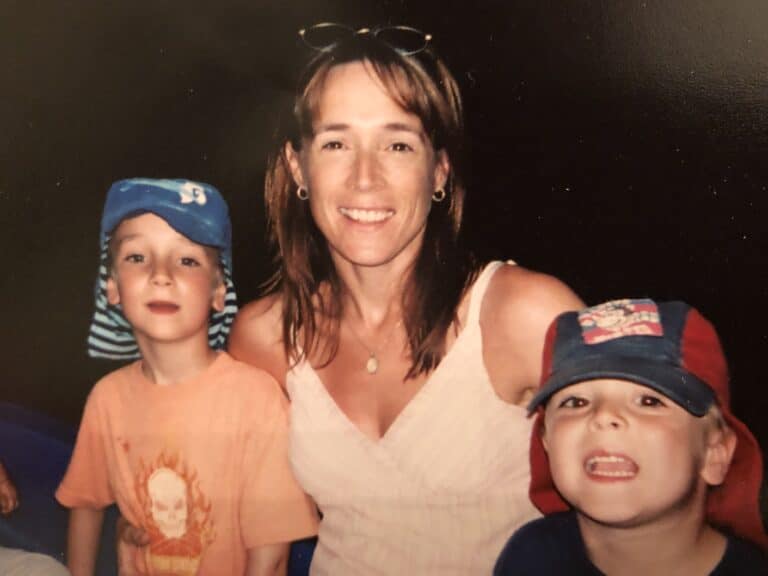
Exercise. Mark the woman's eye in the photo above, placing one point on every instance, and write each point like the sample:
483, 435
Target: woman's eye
573, 402
651, 401
189, 261
401, 147
134, 258
332, 145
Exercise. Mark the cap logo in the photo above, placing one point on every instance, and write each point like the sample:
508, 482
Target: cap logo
191, 192
620, 318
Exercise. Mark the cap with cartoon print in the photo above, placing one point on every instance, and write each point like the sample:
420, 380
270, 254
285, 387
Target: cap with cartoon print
195, 210
671, 348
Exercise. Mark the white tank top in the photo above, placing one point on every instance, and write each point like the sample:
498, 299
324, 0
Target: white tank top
440, 493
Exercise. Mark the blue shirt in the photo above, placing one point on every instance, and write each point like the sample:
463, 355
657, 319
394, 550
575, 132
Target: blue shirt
553, 546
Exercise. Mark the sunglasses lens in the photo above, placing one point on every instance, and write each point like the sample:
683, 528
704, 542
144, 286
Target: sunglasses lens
325, 36
403, 39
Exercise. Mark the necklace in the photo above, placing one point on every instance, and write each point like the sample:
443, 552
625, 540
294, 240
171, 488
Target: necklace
372, 365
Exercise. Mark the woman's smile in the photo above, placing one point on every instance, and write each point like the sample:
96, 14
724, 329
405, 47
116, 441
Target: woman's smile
367, 215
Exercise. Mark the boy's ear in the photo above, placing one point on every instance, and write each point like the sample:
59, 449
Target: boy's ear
219, 292
721, 444
542, 432
294, 163
113, 294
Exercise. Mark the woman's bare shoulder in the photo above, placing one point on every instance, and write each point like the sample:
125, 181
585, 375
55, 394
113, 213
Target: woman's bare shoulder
527, 298
257, 336
516, 312
261, 309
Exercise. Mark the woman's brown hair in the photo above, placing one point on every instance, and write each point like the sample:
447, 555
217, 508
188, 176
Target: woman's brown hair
442, 272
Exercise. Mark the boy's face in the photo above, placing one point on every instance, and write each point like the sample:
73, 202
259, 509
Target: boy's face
625, 455
165, 283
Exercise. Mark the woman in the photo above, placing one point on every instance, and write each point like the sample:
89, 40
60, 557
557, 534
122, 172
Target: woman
408, 368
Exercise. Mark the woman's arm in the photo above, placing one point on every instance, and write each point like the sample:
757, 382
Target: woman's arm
267, 560
516, 312
83, 540
257, 337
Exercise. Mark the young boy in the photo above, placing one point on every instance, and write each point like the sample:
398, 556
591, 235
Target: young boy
190, 443
641, 443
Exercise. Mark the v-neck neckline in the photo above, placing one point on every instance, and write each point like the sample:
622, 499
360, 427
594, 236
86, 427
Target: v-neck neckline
409, 406
471, 323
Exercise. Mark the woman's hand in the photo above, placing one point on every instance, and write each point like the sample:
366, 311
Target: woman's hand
129, 534
9, 498
130, 539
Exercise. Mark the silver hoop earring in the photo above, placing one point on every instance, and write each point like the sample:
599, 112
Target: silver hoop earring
438, 195
302, 193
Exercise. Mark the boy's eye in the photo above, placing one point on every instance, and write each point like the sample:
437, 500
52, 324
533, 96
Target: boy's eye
134, 258
573, 402
651, 401
189, 261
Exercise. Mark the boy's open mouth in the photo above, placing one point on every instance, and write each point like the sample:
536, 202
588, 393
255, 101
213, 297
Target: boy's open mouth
608, 466
161, 307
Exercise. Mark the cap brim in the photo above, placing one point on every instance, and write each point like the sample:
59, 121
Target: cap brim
680, 386
198, 230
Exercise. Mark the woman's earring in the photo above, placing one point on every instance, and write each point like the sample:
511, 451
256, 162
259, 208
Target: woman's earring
302, 193
438, 195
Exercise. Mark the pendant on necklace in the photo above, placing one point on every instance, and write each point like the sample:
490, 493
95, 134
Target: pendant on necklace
372, 366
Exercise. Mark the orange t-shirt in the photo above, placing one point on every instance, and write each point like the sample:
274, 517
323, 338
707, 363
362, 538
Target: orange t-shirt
202, 465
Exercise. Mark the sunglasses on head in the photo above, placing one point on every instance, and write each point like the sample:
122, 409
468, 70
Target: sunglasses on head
404, 39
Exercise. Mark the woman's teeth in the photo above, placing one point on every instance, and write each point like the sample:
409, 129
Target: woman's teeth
360, 215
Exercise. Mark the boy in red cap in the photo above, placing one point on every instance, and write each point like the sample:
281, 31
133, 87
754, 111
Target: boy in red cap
636, 457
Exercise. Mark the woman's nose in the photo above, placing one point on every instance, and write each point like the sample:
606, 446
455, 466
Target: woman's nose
365, 170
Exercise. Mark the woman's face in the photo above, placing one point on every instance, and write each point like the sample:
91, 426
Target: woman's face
370, 170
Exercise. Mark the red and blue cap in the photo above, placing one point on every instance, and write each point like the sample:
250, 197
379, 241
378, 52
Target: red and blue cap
668, 347
195, 210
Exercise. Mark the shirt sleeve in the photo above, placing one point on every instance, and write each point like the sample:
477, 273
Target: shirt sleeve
86, 483
273, 507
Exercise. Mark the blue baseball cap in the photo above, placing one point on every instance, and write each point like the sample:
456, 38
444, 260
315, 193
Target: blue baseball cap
195, 210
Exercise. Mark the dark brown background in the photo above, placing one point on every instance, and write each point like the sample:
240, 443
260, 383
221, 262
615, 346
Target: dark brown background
617, 145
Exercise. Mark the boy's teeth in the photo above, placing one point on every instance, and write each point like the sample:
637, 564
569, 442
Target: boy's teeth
611, 466
361, 215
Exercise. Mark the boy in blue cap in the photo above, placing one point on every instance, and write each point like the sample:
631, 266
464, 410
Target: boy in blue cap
635, 456
191, 444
